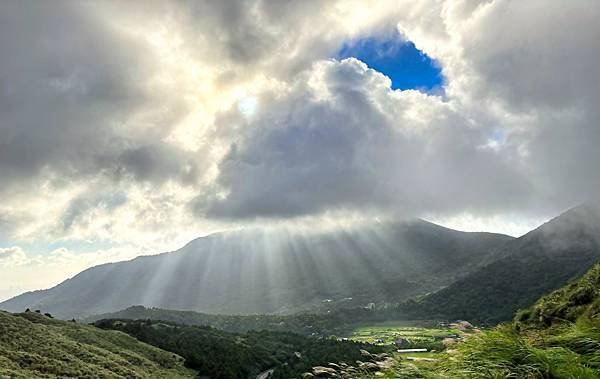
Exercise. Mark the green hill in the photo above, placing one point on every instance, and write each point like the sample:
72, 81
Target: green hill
309, 324
533, 265
579, 299
33, 345
558, 337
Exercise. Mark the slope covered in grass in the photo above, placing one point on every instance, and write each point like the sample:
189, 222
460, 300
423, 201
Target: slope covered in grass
558, 337
33, 345
567, 304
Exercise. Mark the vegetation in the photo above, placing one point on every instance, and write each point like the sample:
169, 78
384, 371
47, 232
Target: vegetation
556, 337
505, 353
533, 265
219, 354
34, 345
559, 337
567, 304
496, 292
412, 335
302, 323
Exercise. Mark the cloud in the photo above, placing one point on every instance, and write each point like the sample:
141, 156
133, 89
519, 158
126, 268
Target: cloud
341, 138
73, 93
117, 120
529, 69
106, 97
12, 256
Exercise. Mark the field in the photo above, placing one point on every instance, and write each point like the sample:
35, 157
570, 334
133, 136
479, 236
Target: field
427, 335
417, 335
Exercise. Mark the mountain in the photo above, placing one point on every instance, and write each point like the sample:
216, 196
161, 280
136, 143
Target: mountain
36, 346
277, 270
533, 265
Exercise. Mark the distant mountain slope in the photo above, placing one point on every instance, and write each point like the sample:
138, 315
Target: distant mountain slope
34, 346
277, 270
302, 323
537, 263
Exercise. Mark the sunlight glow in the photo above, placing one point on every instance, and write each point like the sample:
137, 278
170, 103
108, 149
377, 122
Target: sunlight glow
248, 105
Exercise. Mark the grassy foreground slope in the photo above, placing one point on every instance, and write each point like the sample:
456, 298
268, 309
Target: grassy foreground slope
559, 337
33, 345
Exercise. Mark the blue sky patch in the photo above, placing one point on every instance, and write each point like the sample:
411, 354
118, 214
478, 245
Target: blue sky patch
400, 60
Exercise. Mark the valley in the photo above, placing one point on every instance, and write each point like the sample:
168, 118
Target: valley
419, 337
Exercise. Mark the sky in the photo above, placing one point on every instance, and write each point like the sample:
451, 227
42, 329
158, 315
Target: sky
128, 130
398, 59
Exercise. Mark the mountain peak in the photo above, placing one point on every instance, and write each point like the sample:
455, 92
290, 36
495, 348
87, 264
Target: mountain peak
580, 224
275, 270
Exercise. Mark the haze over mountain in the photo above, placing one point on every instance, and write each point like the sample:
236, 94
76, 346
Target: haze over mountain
534, 264
277, 271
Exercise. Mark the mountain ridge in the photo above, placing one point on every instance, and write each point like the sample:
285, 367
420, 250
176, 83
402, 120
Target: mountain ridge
266, 271
536, 263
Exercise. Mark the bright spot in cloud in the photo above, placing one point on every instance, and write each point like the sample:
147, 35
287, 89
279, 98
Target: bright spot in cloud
248, 105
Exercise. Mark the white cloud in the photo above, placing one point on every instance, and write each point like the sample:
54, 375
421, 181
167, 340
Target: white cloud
12, 256
529, 68
341, 138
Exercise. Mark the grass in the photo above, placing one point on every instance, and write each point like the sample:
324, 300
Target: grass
559, 337
505, 353
564, 351
33, 345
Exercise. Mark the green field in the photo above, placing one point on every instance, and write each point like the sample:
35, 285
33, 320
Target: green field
420, 335
387, 333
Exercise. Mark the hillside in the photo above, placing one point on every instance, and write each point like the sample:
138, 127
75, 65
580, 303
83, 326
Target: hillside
222, 355
579, 299
534, 264
303, 323
277, 271
33, 345
558, 337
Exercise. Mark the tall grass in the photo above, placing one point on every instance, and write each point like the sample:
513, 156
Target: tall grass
504, 353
